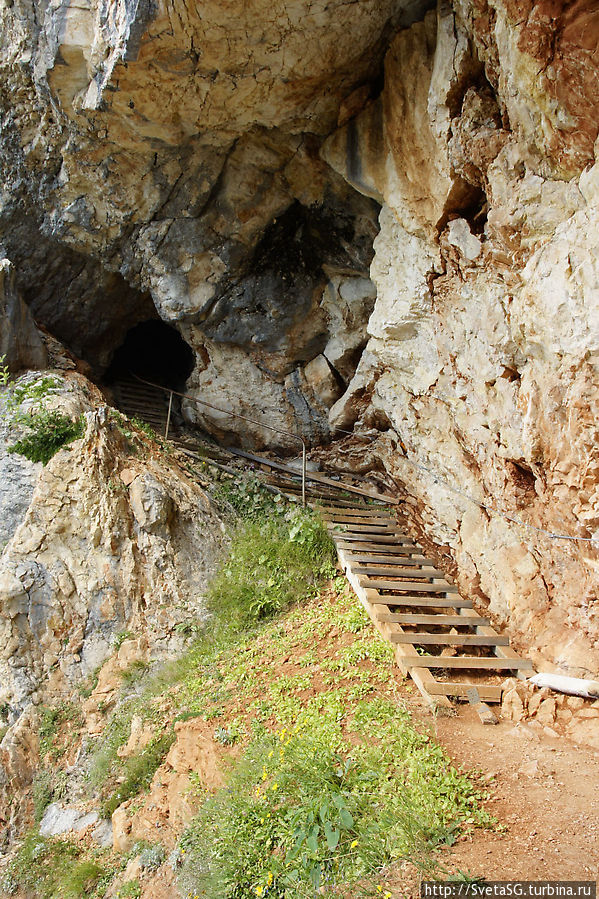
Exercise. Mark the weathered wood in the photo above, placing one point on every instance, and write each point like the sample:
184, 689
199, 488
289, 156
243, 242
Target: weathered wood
488, 692
363, 512
429, 602
421, 676
351, 524
414, 586
439, 619
376, 544
425, 639
403, 541
467, 662
399, 571
399, 559
362, 530
313, 477
481, 708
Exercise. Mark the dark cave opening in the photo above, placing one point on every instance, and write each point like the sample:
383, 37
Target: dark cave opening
155, 351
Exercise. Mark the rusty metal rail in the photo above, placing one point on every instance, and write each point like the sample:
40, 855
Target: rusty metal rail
172, 393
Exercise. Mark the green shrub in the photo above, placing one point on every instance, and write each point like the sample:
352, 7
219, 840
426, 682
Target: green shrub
248, 497
44, 868
82, 880
272, 563
48, 432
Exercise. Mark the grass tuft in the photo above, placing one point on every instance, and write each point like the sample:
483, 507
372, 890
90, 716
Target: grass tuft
272, 563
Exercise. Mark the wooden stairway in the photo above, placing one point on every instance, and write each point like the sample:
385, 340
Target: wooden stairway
435, 632
416, 608
139, 400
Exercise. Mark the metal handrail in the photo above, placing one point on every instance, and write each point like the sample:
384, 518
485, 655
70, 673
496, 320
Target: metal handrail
254, 421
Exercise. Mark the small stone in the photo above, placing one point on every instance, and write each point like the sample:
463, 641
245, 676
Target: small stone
546, 712
587, 713
575, 702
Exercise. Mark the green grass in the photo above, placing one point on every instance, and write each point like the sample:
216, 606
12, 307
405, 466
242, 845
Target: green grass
327, 803
139, 771
272, 563
55, 869
330, 783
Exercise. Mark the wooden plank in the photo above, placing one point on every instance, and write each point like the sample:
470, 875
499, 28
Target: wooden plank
368, 540
467, 662
399, 570
419, 638
488, 692
441, 620
399, 558
415, 586
481, 708
363, 512
440, 602
341, 520
363, 530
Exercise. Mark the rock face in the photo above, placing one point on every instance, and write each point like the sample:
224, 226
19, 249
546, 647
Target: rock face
21, 344
377, 214
484, 332
113, 540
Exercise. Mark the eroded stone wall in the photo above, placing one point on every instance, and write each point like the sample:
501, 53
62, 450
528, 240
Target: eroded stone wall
376, 215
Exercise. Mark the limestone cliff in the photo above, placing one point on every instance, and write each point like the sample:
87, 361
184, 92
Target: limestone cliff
379, 216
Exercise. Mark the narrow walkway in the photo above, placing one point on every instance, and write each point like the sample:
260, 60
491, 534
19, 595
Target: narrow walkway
439, 639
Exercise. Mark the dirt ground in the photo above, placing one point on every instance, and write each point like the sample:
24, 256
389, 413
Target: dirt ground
544, 790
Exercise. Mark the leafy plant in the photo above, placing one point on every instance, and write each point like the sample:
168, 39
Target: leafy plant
48, 432
49, 785
248, 497
4, 372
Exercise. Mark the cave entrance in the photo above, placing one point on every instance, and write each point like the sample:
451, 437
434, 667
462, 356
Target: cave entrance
155, 351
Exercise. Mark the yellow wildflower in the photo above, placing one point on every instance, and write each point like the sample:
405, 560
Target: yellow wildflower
354, 844
258, 891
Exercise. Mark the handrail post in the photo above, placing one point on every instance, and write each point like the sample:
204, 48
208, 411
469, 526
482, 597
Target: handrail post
168, 417
304, 466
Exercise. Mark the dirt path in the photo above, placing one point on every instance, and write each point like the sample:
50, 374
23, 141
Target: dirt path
546, 792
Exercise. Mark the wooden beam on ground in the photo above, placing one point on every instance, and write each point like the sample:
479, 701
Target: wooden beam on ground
429, 602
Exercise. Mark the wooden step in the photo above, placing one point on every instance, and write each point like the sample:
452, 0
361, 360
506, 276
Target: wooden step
416, 587
420, 638
367, 541
487, 692
440, 620
425, 602
338, 518
354, 512
466, 662
397, 558
399, 570
365, 529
